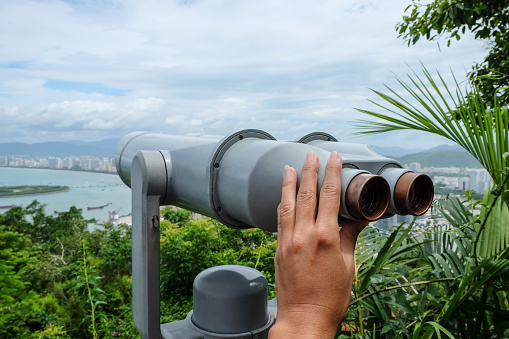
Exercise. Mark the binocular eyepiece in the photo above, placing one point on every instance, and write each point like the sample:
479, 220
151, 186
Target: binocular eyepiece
413, 193
367, 197
410, 193
237, 179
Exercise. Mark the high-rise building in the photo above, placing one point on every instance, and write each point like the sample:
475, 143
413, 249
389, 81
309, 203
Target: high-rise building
463, 183
480, 180
415, 166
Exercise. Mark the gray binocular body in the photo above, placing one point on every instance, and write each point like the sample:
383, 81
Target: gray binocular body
237, 179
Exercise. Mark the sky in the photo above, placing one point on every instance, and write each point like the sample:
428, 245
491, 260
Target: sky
89, 70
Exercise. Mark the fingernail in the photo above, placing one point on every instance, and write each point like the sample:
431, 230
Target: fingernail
310, 156
287, 172
334, 156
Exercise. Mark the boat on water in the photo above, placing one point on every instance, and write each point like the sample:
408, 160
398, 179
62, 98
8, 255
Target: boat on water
98, 207
6, 206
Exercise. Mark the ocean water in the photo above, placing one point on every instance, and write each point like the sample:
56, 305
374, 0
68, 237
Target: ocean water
86, 190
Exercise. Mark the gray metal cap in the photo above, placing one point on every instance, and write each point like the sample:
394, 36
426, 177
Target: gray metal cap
230, 299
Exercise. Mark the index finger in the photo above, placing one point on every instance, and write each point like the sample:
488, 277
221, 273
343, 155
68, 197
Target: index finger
306, 197
286, 209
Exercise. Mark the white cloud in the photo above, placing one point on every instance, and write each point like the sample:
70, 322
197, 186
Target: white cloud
233, 100
209, 66
326, 112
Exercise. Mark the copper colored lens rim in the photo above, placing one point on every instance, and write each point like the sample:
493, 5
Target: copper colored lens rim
413, 193
371, 189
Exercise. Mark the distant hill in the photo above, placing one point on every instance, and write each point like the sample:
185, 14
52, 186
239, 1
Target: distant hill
441, 159
443, 148
440, 156
60, 149
394, 151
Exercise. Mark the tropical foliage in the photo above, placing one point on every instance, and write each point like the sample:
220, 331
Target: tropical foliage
413, 283
452, 281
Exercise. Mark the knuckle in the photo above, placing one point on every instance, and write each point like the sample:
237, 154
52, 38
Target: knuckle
283, 254
330, 191
298, 243
285, 210
277, 258
305, 195
325, 239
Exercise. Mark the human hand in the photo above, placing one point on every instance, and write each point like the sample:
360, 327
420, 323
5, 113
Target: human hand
314, 259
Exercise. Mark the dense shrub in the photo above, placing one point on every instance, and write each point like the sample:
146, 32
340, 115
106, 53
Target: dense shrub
60, 280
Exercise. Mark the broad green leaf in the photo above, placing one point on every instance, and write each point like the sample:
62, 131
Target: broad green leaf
494, 235
402, 303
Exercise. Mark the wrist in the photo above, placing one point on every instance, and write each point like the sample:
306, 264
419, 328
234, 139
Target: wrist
298, 329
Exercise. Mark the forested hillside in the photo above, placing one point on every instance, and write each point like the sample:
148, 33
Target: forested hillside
58, 280
442, 159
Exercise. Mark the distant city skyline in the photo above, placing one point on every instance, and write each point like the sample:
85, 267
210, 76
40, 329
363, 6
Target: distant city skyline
93, 70
84, 163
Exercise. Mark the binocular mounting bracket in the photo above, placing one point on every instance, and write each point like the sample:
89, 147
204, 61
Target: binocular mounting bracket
149, 178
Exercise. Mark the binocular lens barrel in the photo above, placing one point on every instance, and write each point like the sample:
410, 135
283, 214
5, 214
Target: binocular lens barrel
413, 193
367, 197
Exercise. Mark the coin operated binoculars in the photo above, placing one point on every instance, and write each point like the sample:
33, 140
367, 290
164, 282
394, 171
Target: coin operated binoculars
237, 180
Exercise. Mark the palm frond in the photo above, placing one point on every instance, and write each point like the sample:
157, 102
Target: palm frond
460, 115
495, 236
453, 209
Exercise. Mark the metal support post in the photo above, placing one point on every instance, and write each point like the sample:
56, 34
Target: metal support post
148, 191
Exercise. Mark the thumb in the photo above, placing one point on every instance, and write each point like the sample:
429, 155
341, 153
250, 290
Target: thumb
348, 237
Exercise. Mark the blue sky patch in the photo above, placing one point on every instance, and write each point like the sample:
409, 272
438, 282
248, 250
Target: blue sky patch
15, 64
85, 87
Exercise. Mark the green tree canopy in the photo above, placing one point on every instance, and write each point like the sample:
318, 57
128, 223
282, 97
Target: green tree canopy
488, 20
